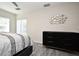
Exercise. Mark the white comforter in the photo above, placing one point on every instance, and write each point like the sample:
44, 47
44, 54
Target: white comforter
5, 44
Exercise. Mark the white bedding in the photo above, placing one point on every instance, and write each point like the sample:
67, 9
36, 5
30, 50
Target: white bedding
6, 44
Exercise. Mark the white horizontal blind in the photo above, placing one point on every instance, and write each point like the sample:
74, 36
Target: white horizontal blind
21, 26
4, 24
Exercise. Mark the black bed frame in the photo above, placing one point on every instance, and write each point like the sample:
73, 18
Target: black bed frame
25, 52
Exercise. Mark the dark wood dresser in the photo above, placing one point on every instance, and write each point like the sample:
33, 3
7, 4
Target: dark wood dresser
61, 40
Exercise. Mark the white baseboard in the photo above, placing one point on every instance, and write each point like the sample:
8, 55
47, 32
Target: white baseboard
37, 42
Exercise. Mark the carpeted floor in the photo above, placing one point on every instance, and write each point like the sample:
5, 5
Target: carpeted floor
40, 50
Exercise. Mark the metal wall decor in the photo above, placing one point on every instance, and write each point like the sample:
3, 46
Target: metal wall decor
58, 19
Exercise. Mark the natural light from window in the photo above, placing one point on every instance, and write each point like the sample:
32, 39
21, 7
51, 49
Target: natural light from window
4, 24
21, 26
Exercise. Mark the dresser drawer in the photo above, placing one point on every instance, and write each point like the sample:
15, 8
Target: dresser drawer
54, 43
51, 43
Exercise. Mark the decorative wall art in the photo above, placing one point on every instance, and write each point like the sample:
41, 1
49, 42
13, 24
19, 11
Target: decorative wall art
58, 19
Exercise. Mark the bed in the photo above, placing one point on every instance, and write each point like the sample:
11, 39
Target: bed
12, 44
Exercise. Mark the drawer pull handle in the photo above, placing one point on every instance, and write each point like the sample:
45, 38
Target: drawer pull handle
50, 37
51, 41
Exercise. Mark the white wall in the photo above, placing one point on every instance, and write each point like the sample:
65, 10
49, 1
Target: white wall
38, 21
12, 18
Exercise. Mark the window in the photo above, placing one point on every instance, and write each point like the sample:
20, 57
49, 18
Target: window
21, 26
4, 24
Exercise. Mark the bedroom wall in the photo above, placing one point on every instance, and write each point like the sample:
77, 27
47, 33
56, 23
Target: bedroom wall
38, 20
12, 18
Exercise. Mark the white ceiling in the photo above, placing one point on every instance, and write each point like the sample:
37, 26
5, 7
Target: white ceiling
25, 6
